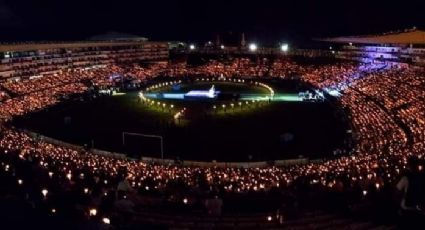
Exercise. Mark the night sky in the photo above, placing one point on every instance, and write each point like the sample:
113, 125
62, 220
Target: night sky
263, 21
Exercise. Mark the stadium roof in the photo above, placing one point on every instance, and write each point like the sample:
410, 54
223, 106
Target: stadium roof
405, 37
57, 45
116, 36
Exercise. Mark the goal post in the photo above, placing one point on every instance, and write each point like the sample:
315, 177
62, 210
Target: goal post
161, 140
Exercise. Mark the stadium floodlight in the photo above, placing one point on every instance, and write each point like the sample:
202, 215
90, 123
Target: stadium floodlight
253, 47
284, 47
92, 212
106, 220
192, 47
44, 192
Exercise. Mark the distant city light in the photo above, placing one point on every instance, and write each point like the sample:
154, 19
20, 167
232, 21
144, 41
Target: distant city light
191, 46
284, 47
253, 47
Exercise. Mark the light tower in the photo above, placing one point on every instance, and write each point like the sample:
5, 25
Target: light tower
217, 41
243, 42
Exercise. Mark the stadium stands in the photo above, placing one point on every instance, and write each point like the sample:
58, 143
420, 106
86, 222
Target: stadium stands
388, 128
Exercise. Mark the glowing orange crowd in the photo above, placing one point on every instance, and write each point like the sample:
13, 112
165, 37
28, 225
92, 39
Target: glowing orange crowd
388, 126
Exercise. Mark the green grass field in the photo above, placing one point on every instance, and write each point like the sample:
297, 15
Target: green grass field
278, 130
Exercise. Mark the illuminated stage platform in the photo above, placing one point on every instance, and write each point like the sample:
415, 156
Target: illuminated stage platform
193, 94
243, 97
211, 93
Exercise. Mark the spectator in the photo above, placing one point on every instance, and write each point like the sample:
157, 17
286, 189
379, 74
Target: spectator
412, 189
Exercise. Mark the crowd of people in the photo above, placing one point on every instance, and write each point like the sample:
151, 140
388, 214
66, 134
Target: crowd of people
400, 95
4, 95
386, 108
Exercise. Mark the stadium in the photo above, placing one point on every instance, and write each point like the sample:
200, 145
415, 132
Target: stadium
127, 133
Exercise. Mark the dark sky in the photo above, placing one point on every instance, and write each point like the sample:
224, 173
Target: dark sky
263, 21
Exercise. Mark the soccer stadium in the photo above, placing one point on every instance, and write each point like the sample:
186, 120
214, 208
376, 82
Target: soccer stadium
122, 132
